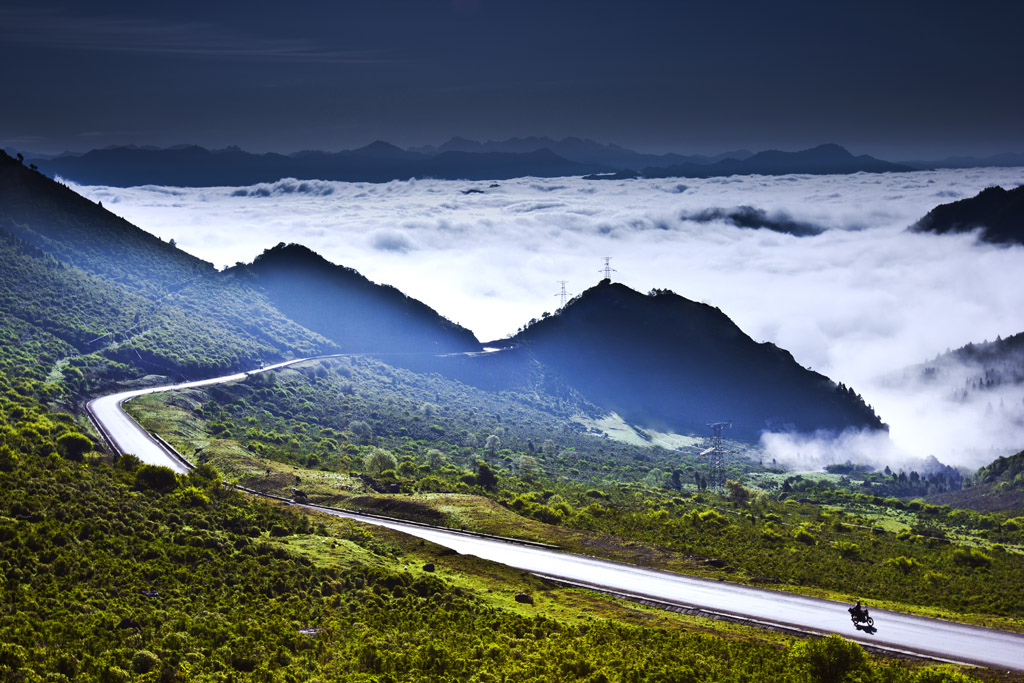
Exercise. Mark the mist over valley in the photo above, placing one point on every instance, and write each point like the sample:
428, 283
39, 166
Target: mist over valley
822, 266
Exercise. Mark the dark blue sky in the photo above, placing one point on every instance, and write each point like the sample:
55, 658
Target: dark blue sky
898, 79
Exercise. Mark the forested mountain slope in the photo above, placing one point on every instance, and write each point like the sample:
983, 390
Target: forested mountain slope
662, 359
999, 213
349, 309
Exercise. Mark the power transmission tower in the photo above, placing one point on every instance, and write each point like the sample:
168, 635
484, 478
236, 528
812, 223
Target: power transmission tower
608, 270
716, 455
562, 293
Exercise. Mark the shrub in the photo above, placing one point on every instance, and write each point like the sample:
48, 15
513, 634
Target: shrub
941, 676
903, 564
830, 660
804, 536
144, 661
155, 478
192, 497
971, 557
8, 459
74, 446
850, 551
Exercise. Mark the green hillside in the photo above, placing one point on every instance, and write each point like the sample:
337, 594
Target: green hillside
116, 571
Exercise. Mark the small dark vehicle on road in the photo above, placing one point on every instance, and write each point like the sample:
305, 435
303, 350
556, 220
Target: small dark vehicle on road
859, 615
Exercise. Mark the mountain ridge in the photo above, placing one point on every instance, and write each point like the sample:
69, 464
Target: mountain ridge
456, 159
663, 359
997, 212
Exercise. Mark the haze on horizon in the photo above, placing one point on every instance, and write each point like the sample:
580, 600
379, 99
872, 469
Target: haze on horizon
894, 80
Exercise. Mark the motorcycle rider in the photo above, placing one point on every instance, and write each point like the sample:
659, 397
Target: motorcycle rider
859, 611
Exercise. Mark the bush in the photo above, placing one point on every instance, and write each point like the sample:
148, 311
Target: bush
144, 661
971, 557
830, 660
8, 459
850, 551
192, 497
903, 564
155, 478
804, 536
74, 446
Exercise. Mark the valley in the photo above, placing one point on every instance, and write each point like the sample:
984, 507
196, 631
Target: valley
117, 567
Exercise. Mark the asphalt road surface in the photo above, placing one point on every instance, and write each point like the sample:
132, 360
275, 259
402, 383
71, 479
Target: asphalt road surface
892, 631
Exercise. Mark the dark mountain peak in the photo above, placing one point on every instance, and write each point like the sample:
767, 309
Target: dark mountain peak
820, 154
663, 360
346, 307
290, 255
382, 150
820, 160
829, 150
999, 213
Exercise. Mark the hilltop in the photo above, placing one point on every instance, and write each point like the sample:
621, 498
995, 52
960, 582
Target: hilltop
996, 212
342, 305
661, 359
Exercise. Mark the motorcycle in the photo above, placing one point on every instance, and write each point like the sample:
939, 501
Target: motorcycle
860, 617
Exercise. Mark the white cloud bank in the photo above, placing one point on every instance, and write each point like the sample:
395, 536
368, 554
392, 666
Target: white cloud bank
858, 300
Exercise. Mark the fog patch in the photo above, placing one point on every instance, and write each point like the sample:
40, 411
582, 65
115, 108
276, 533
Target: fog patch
391, 240
812, 452
753, 218
287, 186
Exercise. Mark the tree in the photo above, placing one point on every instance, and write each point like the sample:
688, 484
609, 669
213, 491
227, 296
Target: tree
493, 443
378, 460
485, 476
527, 467
737, 493
361, 430
435, 459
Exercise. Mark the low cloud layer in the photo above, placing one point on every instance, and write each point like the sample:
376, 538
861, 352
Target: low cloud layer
857, 301
750, 217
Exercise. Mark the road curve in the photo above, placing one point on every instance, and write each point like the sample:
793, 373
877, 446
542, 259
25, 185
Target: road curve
125, 435
894, 631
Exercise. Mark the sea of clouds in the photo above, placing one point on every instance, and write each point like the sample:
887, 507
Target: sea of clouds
823, 266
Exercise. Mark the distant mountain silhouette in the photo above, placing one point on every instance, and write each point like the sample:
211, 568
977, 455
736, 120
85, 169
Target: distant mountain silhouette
347, 308
972, 371
663, 360
997, 212
582, 151
457, 159
380, 161
820, 160
193, 166
1004, 160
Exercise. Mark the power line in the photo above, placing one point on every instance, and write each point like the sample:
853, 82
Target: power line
607, 268
562, 294
716, 455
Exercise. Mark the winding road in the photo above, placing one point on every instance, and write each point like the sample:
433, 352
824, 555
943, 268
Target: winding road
894, 631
